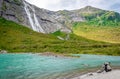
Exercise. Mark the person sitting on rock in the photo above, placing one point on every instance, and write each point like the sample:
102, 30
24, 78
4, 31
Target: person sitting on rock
105, 67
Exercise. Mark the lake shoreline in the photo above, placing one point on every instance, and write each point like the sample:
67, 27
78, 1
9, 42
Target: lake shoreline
76, 74
88, 72
71, 55
114, 74
48, 54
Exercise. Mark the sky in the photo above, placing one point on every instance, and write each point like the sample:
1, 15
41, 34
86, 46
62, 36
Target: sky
55, 5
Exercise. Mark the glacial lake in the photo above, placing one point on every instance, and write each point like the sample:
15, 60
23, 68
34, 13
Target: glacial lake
33, 66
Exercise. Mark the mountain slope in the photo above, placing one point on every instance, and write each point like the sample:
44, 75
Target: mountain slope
41, 20
99, 33
100, 25
92, 15
38, 19
17, 38
93, 23
98, 17
45, 21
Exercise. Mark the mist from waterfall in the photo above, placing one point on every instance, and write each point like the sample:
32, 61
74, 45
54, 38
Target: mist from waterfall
32, 18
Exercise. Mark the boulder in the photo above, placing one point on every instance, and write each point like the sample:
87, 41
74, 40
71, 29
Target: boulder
3, 51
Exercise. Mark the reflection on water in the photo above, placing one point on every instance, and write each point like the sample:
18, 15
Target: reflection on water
32, 66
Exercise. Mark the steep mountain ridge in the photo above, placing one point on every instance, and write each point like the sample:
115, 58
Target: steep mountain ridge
88, 10
91, 14
45, 21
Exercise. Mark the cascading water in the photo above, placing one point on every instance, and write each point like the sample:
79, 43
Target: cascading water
38, 26
32, 18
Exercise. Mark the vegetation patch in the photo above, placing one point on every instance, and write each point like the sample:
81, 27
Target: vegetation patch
17, 38
99, 33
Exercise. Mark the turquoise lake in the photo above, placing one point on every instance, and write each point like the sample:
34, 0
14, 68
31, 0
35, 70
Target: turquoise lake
33, 66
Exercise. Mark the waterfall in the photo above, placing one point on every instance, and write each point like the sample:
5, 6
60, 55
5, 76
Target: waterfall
32, 18
38, 26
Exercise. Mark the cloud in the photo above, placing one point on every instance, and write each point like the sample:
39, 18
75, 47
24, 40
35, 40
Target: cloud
115, 7
43, 3
75, 4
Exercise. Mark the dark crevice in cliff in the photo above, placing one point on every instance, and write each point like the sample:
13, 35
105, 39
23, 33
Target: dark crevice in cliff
45, 20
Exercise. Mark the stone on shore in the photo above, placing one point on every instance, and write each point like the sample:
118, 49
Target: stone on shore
3, 51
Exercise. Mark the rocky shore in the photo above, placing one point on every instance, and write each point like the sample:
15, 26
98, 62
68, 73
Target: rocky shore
115, 74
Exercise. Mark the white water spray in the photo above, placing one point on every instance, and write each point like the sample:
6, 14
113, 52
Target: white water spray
32, 18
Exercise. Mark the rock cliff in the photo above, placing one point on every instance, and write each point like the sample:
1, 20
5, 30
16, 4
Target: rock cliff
40, 20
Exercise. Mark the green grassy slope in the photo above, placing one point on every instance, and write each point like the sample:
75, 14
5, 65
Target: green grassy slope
100, 25
99, 33
108, 18
17, 38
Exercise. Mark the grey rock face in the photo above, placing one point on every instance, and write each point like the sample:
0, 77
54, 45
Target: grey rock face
13, 10
39, 20
68, 17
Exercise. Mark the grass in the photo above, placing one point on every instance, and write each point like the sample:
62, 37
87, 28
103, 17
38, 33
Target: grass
99, 33
16, 38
